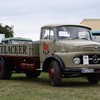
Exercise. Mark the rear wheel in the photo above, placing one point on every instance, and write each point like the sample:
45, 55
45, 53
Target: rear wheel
32, 74
5, 71
55, 73
93, 78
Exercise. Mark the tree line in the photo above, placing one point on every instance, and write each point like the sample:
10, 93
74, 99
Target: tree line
7, 30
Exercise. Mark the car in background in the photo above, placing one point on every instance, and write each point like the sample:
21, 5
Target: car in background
16, 40
96, 35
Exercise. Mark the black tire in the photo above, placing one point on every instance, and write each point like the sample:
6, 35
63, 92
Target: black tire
55, 73
33, 74
93, 78
5, 71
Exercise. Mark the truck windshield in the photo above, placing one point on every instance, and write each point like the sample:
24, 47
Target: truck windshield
73, 32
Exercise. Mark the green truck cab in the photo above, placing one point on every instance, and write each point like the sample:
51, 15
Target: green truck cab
63, 51
16, 40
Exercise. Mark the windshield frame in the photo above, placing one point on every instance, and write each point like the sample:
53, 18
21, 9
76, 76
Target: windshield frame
72, 30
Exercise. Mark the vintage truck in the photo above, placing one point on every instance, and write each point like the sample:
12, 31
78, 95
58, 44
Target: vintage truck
63, 51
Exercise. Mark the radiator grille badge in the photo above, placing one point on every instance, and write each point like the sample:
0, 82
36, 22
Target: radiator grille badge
95, 59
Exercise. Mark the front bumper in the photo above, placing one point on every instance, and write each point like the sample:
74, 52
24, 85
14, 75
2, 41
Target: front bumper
80, 71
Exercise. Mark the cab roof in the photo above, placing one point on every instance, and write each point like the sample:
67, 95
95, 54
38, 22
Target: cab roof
59, 25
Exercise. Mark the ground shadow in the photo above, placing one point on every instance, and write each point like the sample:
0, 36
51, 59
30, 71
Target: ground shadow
78, 84
45, 81
24, 79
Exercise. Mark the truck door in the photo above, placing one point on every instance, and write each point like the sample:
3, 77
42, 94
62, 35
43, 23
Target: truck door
47, 44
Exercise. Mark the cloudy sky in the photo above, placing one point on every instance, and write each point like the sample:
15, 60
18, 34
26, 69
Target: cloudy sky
27, 16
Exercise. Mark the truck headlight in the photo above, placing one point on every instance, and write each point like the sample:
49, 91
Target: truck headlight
76, 60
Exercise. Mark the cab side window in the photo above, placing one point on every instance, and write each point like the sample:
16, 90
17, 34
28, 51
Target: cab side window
48, 34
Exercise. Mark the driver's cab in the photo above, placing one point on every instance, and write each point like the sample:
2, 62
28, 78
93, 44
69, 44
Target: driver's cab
53, 33
47, 39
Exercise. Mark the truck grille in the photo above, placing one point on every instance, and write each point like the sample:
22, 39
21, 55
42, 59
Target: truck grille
93, 59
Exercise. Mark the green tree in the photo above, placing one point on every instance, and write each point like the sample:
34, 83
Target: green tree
7, 30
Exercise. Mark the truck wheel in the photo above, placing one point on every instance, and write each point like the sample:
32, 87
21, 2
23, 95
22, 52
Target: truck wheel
5, 71
32, 74
55, 73
93, 78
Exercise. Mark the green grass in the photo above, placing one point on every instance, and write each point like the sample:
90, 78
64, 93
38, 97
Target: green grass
21, 88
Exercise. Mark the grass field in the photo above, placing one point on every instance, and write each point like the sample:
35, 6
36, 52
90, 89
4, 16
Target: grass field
21, 88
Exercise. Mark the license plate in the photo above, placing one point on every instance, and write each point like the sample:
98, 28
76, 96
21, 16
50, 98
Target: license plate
86, 70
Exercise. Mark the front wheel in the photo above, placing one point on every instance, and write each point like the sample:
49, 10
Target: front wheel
93, 78
55, 73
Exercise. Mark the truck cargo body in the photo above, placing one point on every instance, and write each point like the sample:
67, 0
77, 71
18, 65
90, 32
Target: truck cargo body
20, 57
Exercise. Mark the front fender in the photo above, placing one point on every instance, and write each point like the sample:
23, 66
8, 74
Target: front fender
51, 58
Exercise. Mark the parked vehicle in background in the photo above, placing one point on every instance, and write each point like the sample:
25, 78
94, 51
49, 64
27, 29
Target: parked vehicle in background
16, 40
63, 51
96, 35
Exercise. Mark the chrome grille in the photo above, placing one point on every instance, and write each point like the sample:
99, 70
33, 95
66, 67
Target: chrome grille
93, 59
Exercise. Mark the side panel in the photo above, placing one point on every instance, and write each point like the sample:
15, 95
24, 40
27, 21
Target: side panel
19, 50
46, 49
21, 56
